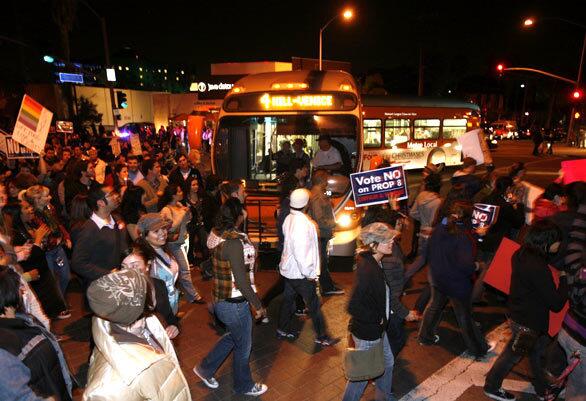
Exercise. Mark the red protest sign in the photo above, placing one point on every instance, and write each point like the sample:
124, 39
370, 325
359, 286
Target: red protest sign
499, 277
574, 170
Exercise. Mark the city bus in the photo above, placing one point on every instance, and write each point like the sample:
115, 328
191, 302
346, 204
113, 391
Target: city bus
262, 111
415, 131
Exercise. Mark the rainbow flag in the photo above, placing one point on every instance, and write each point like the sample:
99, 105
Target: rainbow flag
30, 113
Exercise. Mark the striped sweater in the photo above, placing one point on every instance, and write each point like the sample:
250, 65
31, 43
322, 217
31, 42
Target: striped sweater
575, 321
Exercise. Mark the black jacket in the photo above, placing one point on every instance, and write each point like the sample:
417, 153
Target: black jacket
367, 306
533, 293
176, 178
38, 351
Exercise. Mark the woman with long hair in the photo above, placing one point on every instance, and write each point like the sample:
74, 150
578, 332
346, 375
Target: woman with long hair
39, 198
370, 307
118, 178
195, 228
234, 257
173, 210
132, 208
153, 230
532, 296
35, 266
452, 256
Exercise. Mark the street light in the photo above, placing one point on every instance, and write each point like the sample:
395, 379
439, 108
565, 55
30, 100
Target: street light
529, 22
348, 14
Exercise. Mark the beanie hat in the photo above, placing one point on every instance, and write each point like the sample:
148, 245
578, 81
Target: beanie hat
377, 232
119, 297
151, 222
299, 198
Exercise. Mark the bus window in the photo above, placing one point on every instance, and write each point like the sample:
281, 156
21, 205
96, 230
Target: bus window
397, 130
427, 129
454, 128
372, 133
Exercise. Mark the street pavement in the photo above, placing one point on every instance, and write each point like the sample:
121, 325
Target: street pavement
301, 371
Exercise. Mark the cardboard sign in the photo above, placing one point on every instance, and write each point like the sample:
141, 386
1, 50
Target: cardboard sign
374, 186
115, 145
135, 145
484, 215
574, 170
12, 150
473, 145
499, 277
32, 125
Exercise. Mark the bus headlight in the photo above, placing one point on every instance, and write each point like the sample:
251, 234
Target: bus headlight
344, 220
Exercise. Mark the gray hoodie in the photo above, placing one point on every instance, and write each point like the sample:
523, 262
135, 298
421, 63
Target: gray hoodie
425, 208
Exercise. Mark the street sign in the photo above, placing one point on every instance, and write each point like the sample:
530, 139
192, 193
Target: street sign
65, 77
111, 74
32, 124
65, 127
374, 187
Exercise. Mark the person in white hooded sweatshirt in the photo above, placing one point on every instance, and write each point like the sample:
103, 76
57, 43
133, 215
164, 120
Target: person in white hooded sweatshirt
300, 267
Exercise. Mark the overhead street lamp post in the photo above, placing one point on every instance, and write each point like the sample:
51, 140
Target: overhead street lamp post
530, 22
348, 14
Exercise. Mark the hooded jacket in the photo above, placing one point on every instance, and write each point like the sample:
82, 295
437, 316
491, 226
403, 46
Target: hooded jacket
425, 209
132, 371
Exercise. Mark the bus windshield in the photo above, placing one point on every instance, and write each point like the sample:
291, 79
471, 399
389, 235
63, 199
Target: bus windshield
246, 146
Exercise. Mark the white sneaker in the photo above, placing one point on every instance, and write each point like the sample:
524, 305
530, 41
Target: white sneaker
210, 382
491, 346
257, 390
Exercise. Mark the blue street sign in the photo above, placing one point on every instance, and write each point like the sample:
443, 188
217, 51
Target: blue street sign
72, 78
374, 186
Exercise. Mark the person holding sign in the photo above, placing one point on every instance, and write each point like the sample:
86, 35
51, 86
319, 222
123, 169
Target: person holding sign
532, 296
452, 255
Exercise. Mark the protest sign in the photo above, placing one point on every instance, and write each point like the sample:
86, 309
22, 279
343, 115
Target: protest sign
484, 215
65, 127
115, 145
135, 145
32, 124
574, 170
374, 186
11, 150
499, 277
474, 145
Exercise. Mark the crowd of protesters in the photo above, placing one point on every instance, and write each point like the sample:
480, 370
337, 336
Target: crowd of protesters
132, 229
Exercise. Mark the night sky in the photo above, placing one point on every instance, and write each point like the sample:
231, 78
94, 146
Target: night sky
459, 38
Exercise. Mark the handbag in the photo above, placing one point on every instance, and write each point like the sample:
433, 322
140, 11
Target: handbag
524, 340
363, 364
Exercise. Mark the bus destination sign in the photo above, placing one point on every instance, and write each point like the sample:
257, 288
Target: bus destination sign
297, 102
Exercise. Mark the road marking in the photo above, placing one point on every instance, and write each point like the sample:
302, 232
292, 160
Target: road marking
453, 379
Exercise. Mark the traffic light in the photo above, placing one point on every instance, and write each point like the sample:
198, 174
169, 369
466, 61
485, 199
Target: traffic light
577, 95
500, 68
121, 100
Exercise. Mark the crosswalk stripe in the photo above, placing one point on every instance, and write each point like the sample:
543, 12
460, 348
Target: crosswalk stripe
463, 372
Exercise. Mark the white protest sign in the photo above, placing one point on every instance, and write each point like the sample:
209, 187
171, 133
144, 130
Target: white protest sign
471, 147
32, 124
135, 144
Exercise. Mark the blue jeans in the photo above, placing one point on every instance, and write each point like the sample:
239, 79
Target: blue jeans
383, 383
184, 279
576, 386
238, 338
59, 266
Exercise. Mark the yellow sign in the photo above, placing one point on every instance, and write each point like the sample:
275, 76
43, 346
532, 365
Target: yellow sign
297, 102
